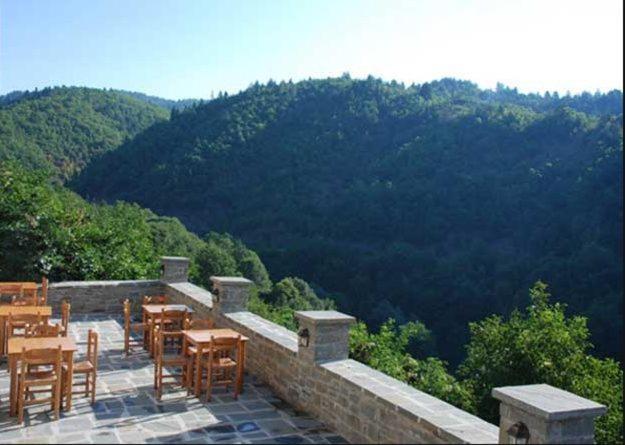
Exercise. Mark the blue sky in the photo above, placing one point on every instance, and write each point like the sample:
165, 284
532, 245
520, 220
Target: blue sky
185, 48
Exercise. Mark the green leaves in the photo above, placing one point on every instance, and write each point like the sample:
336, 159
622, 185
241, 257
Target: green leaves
542, 345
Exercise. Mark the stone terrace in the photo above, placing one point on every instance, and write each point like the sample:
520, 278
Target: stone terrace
126, 411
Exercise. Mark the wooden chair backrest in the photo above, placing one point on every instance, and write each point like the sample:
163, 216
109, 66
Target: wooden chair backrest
92, 347
44, 291
66, 307
161, 336
26, 319
155, 299
11, 289
190, 324
42, 329
177, 316
126, 313
221, 345
48, 356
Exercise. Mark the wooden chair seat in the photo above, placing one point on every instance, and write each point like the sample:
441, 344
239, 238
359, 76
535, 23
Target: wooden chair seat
173, 360
225, 362
81, 367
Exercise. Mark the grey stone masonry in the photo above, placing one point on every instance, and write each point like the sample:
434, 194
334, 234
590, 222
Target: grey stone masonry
174, 269
230, 294
550, 414
89, 297
328, 335
197, 298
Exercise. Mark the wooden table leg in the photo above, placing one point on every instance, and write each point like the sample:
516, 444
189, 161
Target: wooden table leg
70, 380
13, 384
241, 367
198, 369
2, 331
145, 331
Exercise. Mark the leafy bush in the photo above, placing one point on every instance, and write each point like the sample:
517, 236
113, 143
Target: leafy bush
542, 345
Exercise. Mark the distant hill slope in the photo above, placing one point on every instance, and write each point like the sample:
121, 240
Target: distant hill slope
65, 127
179, 104
440, 202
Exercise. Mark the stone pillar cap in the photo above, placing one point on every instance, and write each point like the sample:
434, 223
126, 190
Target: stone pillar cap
325, 317
231, 281
174, 258
546, 402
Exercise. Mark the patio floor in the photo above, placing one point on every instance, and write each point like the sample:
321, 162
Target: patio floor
126, 411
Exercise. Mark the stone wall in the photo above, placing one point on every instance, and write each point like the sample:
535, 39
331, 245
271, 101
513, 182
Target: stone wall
100, 296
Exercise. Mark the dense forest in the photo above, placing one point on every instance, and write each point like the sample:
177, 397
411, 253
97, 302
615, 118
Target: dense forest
440, 203
46, 229
64, 128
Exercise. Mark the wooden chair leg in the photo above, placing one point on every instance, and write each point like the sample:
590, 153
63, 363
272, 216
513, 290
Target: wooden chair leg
209, 384
93, 378
20, 402
57, 398
189, 374
159, 390
87, 385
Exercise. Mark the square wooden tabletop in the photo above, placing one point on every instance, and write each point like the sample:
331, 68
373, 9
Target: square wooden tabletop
17, 343
204, 335
158, 308
45, 311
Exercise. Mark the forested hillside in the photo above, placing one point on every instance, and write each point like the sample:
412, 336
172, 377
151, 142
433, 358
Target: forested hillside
64, 128
438, 202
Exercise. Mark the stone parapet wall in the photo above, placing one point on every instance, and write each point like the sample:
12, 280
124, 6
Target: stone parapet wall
87, 297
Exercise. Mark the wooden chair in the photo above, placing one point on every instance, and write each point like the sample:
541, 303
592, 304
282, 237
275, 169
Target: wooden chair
168, 356
42, 329
44, 291
129, 327
27, 380
88, 367
191, 352
155, 299
221, 364
65, 315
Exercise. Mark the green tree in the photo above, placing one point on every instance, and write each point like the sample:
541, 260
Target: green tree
387, 351
542, 345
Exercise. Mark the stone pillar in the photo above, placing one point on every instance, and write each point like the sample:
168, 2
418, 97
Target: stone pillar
174, 269
230, 294
326, 334
550, 415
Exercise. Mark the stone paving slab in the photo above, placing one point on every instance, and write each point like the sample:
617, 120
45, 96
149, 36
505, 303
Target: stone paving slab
126, 410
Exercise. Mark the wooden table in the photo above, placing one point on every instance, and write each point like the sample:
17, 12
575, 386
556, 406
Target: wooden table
151, 312
201, 338
15, 345
45, 311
